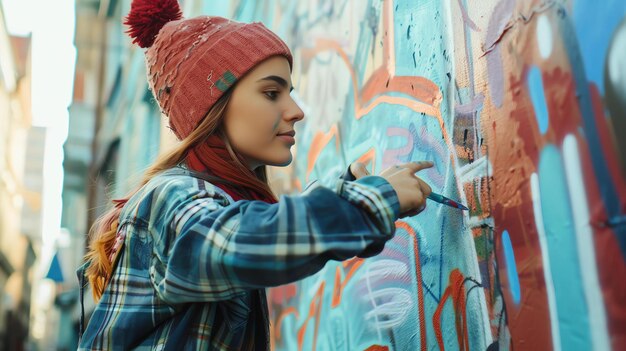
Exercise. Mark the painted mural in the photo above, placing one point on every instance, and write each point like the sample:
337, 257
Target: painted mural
520, 105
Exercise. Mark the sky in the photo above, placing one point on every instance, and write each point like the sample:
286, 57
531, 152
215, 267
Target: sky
51, 23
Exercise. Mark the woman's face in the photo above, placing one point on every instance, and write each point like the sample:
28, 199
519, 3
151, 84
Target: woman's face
260, 116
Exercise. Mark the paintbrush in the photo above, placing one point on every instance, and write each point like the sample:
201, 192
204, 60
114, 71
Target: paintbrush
446, 201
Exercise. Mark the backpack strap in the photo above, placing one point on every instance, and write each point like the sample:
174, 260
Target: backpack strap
81, 295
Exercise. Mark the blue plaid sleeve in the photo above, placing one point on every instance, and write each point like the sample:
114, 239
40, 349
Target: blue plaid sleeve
211, 251
375, 247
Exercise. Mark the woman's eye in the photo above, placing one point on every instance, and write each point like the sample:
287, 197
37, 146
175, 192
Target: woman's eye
272, 95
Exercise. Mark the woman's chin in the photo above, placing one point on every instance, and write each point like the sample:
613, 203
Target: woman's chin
282, 162
279, 159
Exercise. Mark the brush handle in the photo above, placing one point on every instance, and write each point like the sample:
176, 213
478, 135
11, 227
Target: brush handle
446, 201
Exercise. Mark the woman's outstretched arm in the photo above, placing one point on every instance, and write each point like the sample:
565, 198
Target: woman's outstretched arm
205, 251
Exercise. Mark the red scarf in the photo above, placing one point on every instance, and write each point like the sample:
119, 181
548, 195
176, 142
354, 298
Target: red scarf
210, 157
213, 158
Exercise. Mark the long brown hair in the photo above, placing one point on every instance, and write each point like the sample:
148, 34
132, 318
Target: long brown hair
206, 145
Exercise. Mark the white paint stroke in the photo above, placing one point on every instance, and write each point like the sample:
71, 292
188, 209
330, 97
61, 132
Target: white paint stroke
481, 167
585, 245
545, 258
368, 283
475, 221
392, 311
376, 271
544, 36
386, 269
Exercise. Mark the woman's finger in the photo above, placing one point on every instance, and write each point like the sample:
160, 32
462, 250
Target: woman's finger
418, 166
358, 170
426, 189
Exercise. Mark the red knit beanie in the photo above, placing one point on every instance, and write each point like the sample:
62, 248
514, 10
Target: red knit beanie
192, 62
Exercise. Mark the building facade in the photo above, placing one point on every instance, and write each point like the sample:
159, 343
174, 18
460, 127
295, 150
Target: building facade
21, 184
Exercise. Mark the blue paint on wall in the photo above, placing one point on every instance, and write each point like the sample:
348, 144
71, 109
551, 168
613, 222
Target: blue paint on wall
599, 160
594, 26
559, 228
511, 267
537, 95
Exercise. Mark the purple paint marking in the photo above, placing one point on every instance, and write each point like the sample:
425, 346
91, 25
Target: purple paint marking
466, 19
499, 19
471, 107
497, 23
390, 157
423, 142
495, 76
429, 144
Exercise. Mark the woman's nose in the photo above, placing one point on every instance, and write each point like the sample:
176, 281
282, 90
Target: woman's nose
294, 112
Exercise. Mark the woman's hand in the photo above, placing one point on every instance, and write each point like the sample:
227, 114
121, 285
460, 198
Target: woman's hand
411, 190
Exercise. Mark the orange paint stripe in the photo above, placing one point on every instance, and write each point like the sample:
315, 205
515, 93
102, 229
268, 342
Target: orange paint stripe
455, 290
353, 264
314, 312
420, 289
414, 105
420, 88
320, 140
283, 314
377, 348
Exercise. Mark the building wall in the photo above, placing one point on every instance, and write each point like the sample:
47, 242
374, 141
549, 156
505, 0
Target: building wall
21, 150
507, 98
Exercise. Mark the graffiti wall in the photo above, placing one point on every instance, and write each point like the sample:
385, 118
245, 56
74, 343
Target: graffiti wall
520, 105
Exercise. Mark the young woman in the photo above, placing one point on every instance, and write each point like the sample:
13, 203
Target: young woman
182, 263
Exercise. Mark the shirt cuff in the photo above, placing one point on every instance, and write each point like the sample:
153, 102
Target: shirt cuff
376, 196
347, 175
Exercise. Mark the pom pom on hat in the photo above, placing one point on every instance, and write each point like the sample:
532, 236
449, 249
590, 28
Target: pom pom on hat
147, 17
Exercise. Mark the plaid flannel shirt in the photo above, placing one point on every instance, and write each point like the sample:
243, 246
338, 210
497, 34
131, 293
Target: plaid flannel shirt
194, 264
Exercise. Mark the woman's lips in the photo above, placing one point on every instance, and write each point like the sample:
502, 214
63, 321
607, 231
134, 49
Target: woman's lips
287, 138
